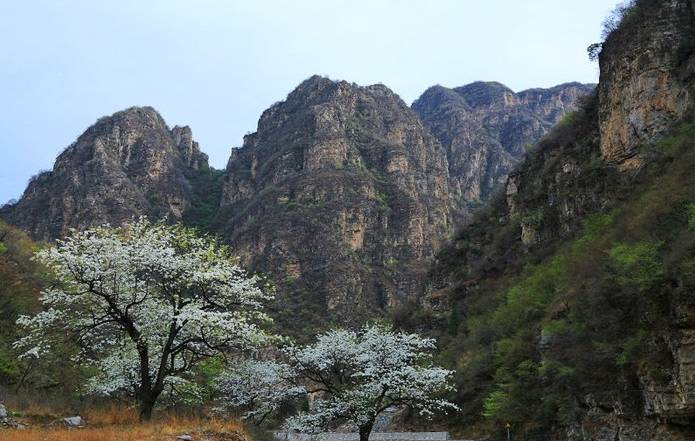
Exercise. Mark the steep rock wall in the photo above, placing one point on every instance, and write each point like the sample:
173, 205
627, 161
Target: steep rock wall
341, 196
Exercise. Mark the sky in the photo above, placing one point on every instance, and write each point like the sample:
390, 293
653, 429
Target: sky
215, 65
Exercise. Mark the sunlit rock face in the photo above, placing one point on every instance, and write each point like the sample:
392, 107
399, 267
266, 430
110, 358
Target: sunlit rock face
485, 128
341, 196
125, 165
647, 79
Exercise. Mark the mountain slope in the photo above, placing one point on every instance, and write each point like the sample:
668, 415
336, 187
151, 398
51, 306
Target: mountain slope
568, 300
341, 196
128, 164
485, 126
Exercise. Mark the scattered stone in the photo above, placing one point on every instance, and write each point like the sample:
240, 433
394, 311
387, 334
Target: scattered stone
75, 421
10, 423
5, 420
374, 436
184, 438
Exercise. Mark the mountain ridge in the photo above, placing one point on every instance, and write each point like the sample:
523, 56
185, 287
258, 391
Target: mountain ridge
485, 127
336, 172
357, 182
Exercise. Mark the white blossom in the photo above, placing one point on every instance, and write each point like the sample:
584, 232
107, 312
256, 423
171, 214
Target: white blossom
356, 376
261, 387
145, 302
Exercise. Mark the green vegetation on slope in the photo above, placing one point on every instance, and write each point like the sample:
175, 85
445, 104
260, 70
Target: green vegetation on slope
19, 286
21, 280
590, 314
205, 197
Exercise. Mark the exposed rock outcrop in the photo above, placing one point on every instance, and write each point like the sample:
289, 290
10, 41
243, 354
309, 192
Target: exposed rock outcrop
125, 165
485, 127
340, 195
188, 148
645, 91
647, 82
646, 88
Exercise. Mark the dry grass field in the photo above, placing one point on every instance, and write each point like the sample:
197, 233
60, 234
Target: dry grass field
118, 424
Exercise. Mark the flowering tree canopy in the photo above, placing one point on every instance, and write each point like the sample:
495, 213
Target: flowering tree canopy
261, 387
356, 376
146, 303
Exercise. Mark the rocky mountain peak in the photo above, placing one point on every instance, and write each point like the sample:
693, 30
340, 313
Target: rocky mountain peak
127, 164
188, 148
485, 126
439, 100
136, 117
487, 93
340, 194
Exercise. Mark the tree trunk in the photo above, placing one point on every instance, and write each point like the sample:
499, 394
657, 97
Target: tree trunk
146, 394
146, 407
365, 431
146, 402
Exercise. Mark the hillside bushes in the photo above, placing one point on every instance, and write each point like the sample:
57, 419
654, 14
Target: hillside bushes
591, 315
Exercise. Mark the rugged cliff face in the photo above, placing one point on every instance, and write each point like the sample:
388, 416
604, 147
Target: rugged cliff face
646, 89
569, 297
649, 61
341, 196
485, 127
125, 165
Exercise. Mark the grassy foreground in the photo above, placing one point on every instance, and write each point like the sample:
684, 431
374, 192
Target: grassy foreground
122, 424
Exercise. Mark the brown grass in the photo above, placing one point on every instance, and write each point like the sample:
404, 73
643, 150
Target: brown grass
121, 423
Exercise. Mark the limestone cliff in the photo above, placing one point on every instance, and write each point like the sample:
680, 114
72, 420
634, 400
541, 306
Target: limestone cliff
552, 323
128, 164
341, 196
485, 127
647, 82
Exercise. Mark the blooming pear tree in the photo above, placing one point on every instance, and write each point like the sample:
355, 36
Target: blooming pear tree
356, 376
146, 303
260, 387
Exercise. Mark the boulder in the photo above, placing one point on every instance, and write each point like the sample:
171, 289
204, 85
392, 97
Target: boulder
74, 421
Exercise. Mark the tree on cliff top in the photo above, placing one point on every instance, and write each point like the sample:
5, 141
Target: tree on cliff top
146, 303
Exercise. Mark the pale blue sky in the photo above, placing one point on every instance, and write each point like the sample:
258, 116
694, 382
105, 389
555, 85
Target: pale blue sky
216, 65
